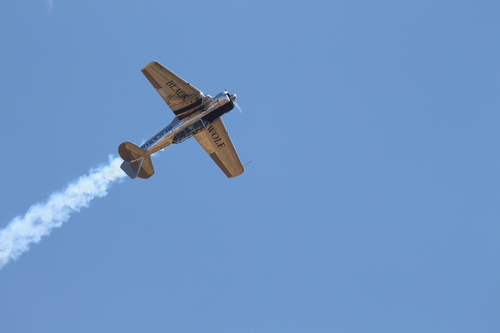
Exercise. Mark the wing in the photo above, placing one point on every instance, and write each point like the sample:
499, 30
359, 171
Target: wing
217, 143
181, 97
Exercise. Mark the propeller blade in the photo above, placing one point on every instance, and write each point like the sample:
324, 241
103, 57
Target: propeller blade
238, 107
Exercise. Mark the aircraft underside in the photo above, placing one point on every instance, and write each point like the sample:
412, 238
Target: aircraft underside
196, 115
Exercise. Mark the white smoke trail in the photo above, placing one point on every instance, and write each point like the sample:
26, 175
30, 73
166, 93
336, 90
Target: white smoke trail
40, 219
49, 4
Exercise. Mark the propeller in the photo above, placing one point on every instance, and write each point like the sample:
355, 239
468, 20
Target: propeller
233, 99
237, 106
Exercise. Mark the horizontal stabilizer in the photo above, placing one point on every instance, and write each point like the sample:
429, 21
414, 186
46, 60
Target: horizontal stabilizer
147, 169
130, 152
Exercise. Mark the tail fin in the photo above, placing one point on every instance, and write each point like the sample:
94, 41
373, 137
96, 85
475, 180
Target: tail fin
142, 167
136, 161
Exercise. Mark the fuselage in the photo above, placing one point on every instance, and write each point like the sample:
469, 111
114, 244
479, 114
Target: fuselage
177, 131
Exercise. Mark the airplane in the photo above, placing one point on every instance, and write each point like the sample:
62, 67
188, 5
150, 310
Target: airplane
196, 115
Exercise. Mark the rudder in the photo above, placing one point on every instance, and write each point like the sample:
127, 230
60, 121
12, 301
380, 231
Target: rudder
142, 168
137, 162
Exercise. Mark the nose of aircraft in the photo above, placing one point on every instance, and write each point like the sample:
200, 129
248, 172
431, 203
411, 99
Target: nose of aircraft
233, 97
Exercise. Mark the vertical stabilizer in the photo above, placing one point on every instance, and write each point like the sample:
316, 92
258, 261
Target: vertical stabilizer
137, 162
142, 168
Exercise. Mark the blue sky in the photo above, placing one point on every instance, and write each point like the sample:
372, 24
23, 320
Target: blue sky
371, 204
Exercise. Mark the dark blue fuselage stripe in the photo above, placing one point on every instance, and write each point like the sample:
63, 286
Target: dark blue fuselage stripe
189, 107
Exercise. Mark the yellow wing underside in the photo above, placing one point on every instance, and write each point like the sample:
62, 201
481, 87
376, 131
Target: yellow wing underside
217, 143
179, 95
